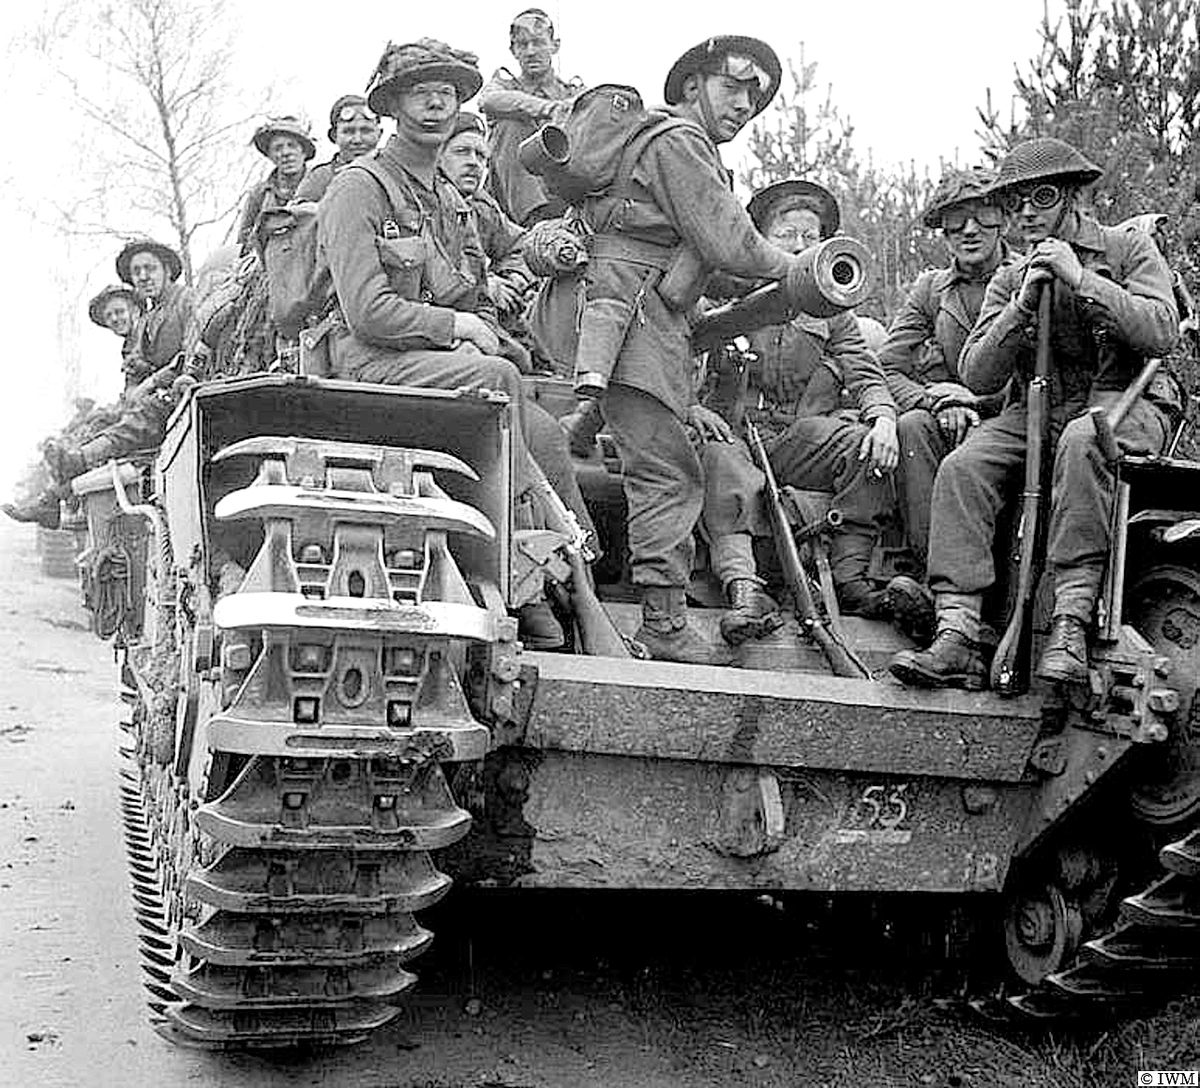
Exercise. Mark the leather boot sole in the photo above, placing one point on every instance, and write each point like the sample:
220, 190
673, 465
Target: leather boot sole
905, 668
1065, 672
742, 629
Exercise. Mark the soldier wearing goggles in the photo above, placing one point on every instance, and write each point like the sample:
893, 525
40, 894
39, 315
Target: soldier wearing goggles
354, 130
920, 359
1112, 306
515, 106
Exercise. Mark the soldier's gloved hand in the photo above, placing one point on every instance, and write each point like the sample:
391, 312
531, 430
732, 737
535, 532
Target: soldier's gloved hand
956, 422
1031, 287
880, 447
1059, 259
709, 426
472, 329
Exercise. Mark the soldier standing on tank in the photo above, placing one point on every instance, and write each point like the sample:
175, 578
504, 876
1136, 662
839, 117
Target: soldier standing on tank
409, 272
516, 106
681, 224
286, 142
920, 360
1112, 307
355, 131
792, 390
464, 161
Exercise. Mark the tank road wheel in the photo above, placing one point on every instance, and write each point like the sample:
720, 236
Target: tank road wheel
1042, 930
1164, 606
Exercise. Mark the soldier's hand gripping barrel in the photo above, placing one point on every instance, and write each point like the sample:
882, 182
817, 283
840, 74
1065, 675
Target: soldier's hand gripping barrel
823, 280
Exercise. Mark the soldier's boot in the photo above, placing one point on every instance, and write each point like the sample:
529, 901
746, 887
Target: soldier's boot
538, 627
957, 658
65, 461
912, 608
753, 612
43, 509
850, 562
666, 633
1065, 658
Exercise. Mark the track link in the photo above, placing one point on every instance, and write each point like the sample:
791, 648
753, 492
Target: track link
1148, 957
279, 911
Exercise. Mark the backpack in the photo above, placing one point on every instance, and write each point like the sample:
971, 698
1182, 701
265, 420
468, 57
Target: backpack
607, 129
299, 286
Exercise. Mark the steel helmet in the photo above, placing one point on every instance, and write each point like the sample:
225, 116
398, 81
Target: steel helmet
416, 62
707, 56
959, 187
1045, 158
116, 290
170, 259
284, 126
796, 193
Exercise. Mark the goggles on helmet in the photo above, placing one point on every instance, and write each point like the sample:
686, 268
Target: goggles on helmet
1041, 195
348, 113
744, 69
985, 215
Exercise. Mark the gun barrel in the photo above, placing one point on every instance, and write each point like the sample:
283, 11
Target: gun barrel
826, 279
544, 151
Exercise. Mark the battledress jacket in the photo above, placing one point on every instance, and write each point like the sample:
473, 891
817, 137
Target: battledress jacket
402, 296
158, 333
268, 193
501, 239
317, 180
515, 107
926, 337
801, 368
1123, 312
680, 193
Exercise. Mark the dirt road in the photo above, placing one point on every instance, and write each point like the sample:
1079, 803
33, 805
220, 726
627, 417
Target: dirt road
521, 990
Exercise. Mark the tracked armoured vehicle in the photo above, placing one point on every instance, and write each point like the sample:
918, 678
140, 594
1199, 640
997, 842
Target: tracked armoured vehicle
329, 705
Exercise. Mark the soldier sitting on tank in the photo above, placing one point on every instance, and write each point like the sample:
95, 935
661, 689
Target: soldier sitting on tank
1112, 307
792, 390
286, 142
153, 269
464, 161
920, 360
355, 131
515, 106
409, 273
115, 308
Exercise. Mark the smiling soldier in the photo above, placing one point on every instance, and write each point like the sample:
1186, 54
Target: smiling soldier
920, 359
355, 131
1112, 307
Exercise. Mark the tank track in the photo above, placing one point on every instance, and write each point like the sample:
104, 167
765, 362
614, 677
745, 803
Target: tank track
1148, 957
276, 901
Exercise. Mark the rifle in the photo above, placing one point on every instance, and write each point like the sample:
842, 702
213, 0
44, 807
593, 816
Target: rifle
1010, 666
597, 633
840, 657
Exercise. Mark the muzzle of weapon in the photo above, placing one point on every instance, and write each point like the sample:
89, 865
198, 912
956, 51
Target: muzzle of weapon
545, 151
826, 279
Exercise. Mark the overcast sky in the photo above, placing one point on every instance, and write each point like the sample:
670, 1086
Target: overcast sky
909, 75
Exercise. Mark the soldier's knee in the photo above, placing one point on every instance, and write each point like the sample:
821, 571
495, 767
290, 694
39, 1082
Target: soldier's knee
1077, 444
915, 425
499, 374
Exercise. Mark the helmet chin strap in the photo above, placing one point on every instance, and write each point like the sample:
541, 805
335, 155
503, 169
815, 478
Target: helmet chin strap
710, 122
